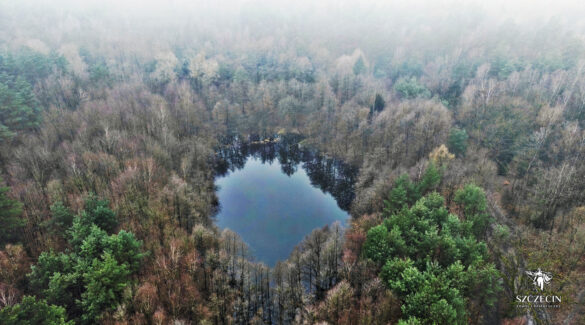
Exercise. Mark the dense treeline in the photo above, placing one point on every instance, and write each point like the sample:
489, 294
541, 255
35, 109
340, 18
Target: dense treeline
469, 143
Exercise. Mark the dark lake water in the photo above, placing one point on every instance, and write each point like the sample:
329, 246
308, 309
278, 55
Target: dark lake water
275, 194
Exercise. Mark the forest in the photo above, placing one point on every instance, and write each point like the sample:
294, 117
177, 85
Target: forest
460, 128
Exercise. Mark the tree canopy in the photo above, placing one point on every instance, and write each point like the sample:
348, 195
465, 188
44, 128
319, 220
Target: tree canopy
432, 258
91, 277
11, 222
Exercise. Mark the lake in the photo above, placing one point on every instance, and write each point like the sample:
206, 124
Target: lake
274, 194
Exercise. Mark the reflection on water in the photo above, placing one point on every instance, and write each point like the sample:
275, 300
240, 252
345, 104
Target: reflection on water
330, 175
273, 194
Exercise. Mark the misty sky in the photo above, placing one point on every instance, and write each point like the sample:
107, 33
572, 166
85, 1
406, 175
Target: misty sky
328, 29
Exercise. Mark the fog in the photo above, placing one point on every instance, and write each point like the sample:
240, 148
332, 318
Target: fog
341, 26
